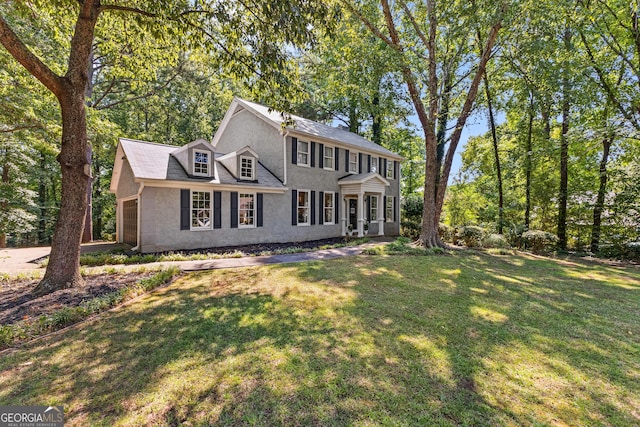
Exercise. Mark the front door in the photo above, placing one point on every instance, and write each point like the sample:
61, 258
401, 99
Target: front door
353, 213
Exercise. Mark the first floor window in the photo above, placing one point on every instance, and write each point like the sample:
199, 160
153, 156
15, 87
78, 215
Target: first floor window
303, 153
328, 157
373, 201
389, 209
200, 162
303, 207
353, 162
328, 208
246, 168
246, 209
200, 210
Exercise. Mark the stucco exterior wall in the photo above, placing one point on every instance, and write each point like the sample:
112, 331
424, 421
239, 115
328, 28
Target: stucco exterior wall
160, 224
126, 185
246, 129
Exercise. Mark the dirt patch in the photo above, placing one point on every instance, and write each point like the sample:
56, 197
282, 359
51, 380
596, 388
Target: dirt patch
17, 302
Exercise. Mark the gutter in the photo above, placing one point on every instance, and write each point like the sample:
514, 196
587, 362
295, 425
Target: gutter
284, 154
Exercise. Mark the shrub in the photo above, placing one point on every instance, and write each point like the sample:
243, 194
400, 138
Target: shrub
447, 233
539, 241
621, 250
495, 241
471, 235
411, 216
514, 235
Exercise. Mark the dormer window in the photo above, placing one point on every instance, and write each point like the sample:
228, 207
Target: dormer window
201, 162
247, 168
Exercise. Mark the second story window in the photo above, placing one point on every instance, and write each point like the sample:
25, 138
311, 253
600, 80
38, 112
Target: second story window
390, 169
374, 164
303, 153
247, 168
201, 162
328, 157
353, 162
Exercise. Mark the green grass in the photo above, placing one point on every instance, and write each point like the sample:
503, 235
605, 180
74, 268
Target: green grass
464, 339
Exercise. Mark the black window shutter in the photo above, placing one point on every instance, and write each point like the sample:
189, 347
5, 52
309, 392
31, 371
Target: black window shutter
368, 163
384, 207
313, 207
384, 169
234, 209
294, 151
396, 169
294, 207
313, 154
346, 160
259, 209
336, 208
217, 209
380, 170
360, 162
321, 158
369, 208
185, 209
395, 208
321, 207
337, 159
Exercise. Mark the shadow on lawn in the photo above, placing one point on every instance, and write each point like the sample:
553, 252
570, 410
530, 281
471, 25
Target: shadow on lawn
394, 344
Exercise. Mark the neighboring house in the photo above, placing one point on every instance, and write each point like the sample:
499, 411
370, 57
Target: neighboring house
257, 182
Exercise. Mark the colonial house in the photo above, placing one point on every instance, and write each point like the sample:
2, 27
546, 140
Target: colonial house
258, 181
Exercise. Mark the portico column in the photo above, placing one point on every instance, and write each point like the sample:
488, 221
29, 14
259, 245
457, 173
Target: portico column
343, 220
360, 214
381, 213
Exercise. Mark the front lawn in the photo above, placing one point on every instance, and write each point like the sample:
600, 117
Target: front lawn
465, 339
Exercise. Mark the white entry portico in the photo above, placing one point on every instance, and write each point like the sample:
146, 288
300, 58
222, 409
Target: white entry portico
354, 189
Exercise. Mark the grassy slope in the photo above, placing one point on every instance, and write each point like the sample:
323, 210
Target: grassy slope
442, 340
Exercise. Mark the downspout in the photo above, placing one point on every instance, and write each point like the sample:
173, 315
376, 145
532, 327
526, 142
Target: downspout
138, 218
284, 153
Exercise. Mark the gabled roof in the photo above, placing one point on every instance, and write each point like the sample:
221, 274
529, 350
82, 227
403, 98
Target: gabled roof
361, 178
302, 126
153, 161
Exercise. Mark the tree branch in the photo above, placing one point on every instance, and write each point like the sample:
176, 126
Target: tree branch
28, 60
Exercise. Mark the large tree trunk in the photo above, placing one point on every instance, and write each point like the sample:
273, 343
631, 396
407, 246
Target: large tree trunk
4, 205
599, 207
63, 270
42, 199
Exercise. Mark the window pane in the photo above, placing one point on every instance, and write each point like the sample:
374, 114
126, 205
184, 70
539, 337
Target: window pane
303, 153
303, 207
200, 209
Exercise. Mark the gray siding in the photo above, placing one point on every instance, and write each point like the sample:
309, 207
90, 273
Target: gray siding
247, 129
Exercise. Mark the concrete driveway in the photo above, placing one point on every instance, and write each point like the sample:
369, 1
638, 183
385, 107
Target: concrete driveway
21, 260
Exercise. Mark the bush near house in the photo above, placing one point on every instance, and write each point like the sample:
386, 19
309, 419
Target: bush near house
471, 235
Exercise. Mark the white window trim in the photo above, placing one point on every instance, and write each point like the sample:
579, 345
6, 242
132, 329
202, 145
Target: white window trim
356, 162
191, 227
374, 164
333, 158
333, 208
298, 207
209, 165
308, 153
253, 168
255, 198
390, 169
393, 214
377, 208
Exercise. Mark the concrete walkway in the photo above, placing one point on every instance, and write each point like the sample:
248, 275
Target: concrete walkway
15, 261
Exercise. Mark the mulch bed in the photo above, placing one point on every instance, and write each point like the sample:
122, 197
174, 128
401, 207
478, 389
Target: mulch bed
262, 247
17, 302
